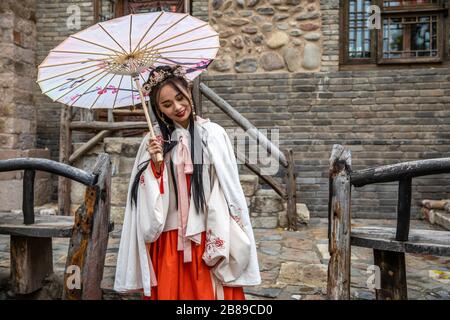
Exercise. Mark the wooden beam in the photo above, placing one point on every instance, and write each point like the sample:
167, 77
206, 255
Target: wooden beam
291, 191
47, 165
113, 126
267, 179
197, 96
398, 171
65, 149
243, 123
89, 145
339, 217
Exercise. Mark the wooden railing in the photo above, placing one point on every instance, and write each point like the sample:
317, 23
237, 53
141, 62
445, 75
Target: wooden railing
389, 245
88, 229
103, 129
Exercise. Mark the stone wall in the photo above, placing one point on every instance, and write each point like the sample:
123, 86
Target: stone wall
267, 35
17, 105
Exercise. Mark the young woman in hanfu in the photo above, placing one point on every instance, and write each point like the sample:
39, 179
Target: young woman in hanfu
187, 233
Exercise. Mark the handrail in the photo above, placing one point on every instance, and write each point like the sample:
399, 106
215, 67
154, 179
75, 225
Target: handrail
396, 172
243, 123
51, 166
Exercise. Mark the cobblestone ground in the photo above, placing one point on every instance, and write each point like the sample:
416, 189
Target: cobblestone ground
293, 265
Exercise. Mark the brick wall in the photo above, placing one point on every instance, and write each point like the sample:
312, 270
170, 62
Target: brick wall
383, 117
17, 105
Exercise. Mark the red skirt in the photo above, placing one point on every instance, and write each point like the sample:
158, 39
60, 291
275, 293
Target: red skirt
183, 281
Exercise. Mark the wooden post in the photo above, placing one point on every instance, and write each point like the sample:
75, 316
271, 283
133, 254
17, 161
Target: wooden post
65, 149
291, 192
403, 209
392, 264
197, 96
87, 249
31, 263
339, 219
393, 275
28, 196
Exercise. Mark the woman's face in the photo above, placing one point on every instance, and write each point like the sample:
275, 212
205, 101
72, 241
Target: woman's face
174, 105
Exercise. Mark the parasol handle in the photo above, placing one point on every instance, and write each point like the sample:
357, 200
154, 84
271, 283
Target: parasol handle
159, 157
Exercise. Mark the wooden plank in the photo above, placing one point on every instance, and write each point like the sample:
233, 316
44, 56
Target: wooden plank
113, 126
393, 275
338, 286
87, 249
399, 171
430, 242
65, 149
44, 226
28, 196
403, 209
291, 192
31, 263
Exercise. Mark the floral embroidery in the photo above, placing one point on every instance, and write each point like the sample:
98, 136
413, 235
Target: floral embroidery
236, 214
141, 180
213, 244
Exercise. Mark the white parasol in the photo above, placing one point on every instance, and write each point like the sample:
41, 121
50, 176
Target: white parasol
105, 65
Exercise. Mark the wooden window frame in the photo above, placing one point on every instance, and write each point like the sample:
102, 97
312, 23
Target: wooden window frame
376, 46
122, 5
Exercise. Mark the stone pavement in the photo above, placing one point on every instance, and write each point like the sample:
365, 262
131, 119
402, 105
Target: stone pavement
293, 265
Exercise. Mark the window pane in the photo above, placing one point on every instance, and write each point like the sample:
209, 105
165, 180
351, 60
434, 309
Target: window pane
409, 3
152, 6
107, 10
410, 37
359, 41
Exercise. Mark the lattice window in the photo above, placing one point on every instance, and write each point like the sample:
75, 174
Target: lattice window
410, 31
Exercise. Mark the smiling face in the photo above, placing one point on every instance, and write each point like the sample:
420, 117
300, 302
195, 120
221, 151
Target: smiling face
174, 105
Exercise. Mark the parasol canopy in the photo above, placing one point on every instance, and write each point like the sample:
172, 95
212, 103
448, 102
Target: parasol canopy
105, 65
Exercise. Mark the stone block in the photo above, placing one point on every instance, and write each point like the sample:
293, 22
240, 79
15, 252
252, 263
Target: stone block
264, 222
117, 215
119, 191
249, 184
77, 192
10, 194
267, 200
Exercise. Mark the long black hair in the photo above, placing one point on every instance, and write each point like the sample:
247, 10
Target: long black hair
167, 127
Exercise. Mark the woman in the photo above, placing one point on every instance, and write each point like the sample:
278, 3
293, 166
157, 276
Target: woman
186, 232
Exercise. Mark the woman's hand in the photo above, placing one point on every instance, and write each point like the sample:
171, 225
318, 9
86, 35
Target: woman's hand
153, 148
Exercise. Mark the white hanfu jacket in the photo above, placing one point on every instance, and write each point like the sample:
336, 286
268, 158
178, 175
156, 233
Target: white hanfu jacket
230, 248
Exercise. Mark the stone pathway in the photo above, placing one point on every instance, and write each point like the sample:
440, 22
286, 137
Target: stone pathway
293, 265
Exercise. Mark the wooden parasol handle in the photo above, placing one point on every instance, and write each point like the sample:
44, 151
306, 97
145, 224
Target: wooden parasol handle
159, 156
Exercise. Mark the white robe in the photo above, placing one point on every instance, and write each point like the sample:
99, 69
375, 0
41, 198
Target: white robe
234, 262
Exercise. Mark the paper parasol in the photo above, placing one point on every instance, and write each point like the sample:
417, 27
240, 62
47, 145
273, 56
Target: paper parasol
105, 65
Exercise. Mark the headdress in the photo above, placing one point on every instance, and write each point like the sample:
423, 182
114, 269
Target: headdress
158, 76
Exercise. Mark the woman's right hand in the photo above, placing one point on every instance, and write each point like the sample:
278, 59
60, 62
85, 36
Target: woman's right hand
153, 148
